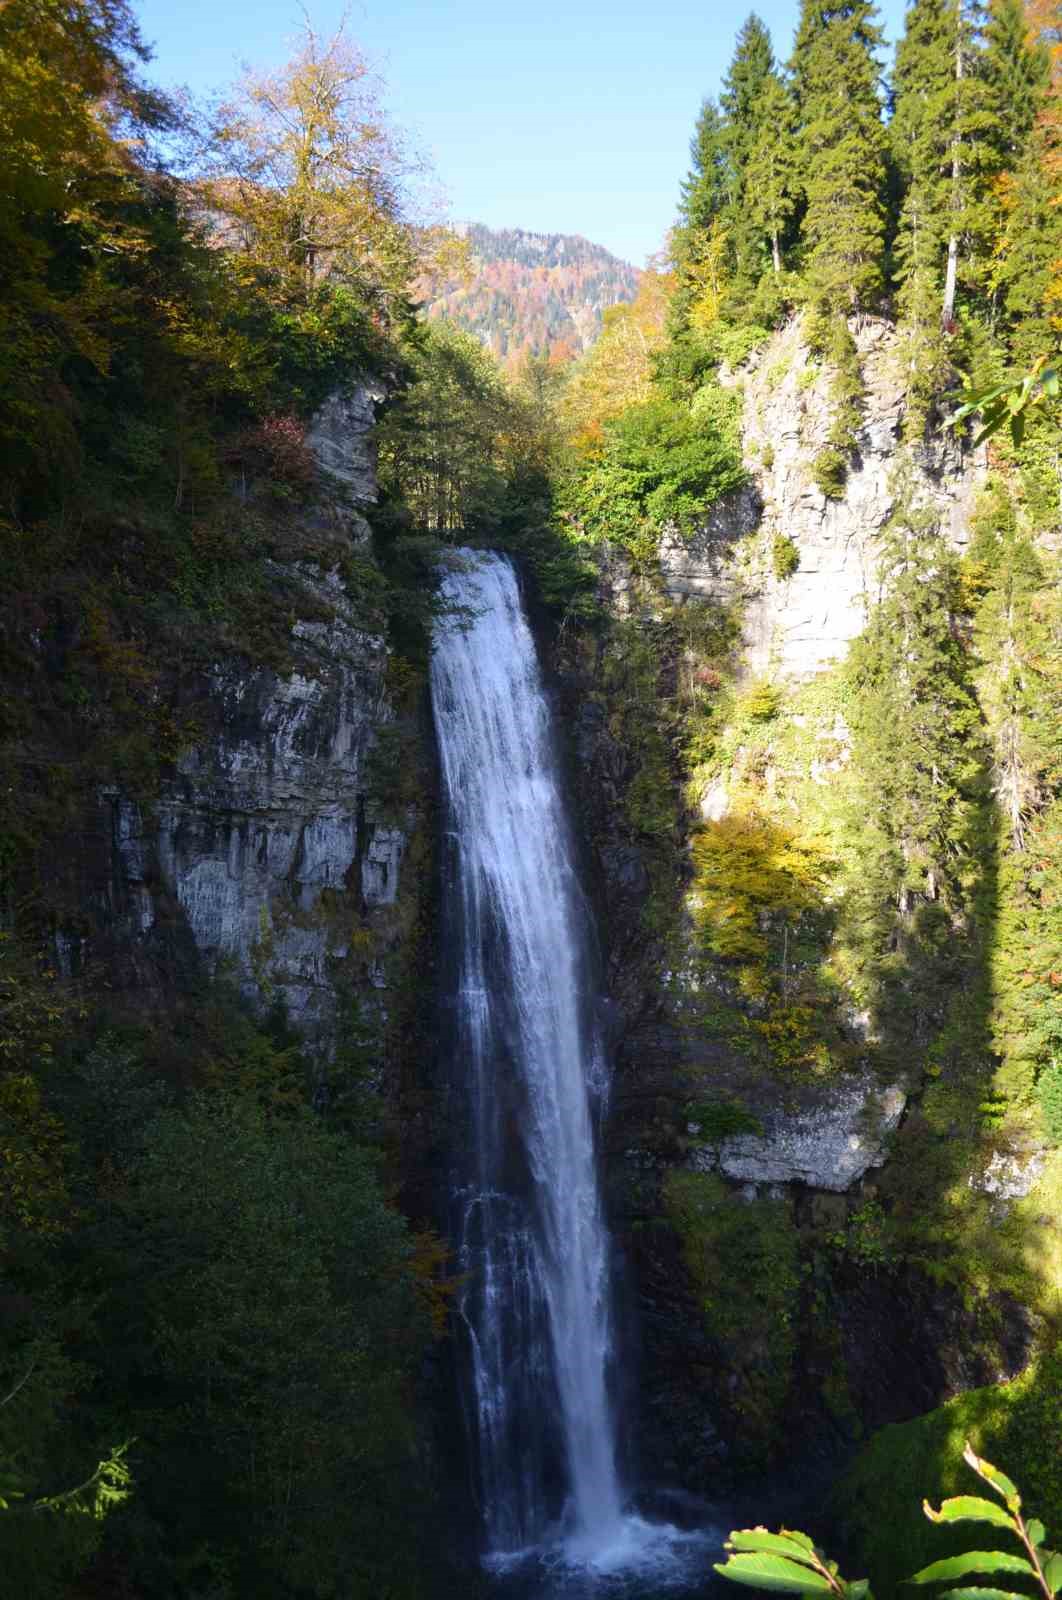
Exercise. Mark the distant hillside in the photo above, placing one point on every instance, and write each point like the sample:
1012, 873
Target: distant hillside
537, 292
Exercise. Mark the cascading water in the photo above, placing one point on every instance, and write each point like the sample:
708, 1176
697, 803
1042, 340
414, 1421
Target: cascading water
533, 1245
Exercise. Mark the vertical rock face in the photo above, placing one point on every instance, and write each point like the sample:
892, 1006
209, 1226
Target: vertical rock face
260, 836
340, 436
724, 1172
268, 849
794, 625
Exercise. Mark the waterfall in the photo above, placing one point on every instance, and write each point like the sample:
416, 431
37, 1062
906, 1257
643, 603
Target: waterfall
533, 1248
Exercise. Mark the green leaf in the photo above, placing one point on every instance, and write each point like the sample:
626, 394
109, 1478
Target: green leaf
776, 1573
1053, 1573
1000, 1482
973, 1561
970, 1508
1036, 1531
993, 418
781, 1544
799, 1538
1017, 427
858, 1589
981, 1594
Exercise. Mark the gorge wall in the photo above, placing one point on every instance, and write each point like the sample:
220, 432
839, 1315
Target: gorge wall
752, 1187
285, 849
290, 849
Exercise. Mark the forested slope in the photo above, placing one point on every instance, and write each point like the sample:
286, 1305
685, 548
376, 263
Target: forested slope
808, 640
530, 294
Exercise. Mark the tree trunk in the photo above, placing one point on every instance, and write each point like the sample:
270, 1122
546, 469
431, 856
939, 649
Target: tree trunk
776, 255
947, 310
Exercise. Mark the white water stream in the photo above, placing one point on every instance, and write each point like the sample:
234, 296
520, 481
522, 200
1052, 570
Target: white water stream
533, 1246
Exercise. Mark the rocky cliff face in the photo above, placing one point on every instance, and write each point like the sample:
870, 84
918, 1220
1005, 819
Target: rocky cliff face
796, 624
742, 1193
270, 855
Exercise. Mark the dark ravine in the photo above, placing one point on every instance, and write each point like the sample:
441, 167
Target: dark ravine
286, 854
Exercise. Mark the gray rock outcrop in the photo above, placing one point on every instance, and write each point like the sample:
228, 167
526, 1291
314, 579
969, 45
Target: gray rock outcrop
795, 625
260, 832
267, 853
826, 1145
340, 436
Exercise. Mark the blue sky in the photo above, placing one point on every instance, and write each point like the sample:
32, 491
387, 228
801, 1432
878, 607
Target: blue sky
567, 118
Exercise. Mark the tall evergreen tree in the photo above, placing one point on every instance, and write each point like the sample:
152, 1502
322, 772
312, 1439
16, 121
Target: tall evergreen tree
1023, 223
938, 131
1017, 70
752, 65
741, 103
772, 176
841, 144
706, 188
1029, 247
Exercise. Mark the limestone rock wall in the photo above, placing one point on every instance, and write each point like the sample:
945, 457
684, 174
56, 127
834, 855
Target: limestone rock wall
795, 625
268, 855
738, 1352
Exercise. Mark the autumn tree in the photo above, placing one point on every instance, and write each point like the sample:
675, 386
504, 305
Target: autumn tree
310, 178
69, 97
616, 372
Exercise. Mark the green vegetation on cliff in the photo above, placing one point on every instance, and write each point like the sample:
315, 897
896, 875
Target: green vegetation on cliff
212, 1314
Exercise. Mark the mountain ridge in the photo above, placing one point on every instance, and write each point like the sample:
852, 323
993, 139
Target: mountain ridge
530, 293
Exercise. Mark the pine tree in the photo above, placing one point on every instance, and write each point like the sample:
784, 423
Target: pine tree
914, 718
705, 196
707, 187
741, 103
1029, 247
772, 176
841, 145
1017, 71
938, 130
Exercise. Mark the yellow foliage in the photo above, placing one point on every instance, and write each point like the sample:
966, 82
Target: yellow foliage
312, 179
427, 1265
750, 870
617, 370
705, 272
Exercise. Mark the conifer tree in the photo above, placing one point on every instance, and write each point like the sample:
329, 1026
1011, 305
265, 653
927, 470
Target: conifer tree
1024, 222
772, 177
1017, 71
841, 147
701, 232
1029, 247
706, 188
914, 717
938, 131
741, 103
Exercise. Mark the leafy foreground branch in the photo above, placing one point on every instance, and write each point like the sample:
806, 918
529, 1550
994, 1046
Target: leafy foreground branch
789, 1563
1011, 401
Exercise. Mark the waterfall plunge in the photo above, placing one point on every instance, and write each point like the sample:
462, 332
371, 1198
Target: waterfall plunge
532, 1239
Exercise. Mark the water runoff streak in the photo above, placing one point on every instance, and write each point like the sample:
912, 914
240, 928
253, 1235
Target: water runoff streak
533, 1247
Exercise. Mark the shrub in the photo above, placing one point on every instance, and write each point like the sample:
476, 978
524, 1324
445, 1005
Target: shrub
276, 447
785, 557
829, 471
660, 463
1050, 1092
763, 702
